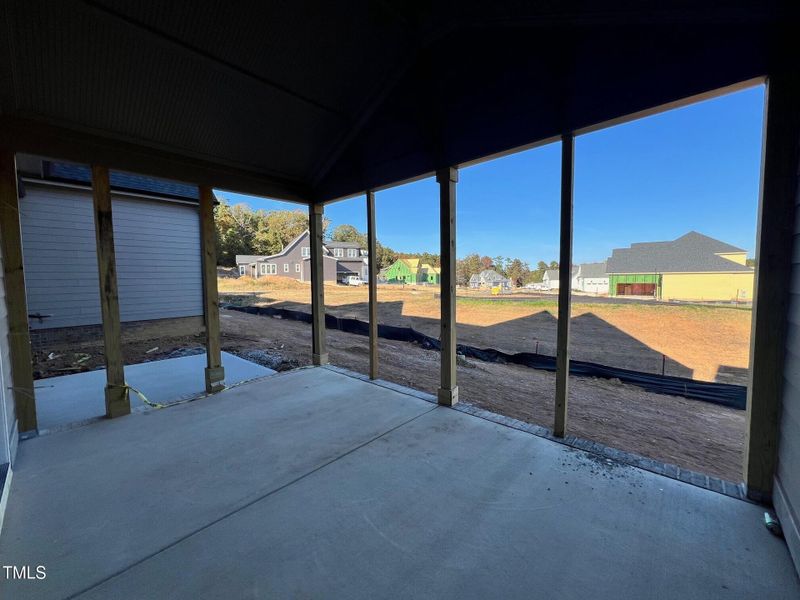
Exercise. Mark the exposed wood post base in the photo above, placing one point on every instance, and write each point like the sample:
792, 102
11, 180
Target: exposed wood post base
447, 397
117, 401
214, 379
320, 359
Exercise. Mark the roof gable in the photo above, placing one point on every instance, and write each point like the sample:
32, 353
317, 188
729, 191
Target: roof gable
592, 270
690, 253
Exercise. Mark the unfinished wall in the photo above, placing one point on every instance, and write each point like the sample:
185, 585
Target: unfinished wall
708, 286
7, 426
787, 481
157, 248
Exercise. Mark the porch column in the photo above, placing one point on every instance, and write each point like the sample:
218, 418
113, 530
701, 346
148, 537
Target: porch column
564, 286
372, 255
447, 179
780, 158
116, 394
19, 340
318, 347
215, 372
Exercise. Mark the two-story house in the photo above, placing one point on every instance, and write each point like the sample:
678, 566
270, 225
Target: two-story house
340, 260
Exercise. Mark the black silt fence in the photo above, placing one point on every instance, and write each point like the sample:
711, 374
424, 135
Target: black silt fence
724, 394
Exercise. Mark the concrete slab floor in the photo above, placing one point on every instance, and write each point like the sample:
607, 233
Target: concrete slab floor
75, 398
314, 484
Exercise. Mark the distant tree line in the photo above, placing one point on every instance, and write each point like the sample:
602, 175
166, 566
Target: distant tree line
515, 269
242, 230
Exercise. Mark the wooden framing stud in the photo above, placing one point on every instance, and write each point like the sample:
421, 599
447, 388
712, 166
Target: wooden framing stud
780, 160
318, 346
564, 285
214, 372
19, 339
447, 394
372, 258
116, 394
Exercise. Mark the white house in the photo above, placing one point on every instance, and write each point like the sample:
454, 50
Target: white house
590, 277
550, 278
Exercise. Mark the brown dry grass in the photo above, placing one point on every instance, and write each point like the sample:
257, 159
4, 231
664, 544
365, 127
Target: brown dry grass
697, 340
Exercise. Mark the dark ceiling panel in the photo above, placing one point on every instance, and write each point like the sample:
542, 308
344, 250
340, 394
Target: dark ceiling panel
328, 98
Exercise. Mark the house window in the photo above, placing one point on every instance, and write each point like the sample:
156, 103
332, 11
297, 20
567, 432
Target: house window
285, 267
306, 251
263, 268
352, 253
242, 269
296, 267
269, 269
338, 252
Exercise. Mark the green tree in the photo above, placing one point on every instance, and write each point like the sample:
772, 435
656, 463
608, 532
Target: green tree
517, 271
537, 275
235, 229
468, 266
348, 233
553, 264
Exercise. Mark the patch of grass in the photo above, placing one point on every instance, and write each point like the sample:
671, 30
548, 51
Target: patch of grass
503, 302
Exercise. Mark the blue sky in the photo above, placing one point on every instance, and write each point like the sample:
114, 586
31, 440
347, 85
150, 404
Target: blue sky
652, 179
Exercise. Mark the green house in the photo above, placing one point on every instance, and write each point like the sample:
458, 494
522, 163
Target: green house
410, 270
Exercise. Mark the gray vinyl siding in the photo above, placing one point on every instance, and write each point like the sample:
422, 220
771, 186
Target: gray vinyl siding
787, 498
157, 250
6, 397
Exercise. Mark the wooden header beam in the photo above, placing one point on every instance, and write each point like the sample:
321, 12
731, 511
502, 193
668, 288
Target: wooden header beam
214, 373
778, 196
19, 340
564, 285
447, 179
372, 256
318, 347
116, 393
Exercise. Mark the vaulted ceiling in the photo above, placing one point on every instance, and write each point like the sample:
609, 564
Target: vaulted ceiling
320, 100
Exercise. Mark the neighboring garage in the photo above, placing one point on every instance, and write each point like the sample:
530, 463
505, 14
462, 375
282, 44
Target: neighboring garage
157, 240
693, 267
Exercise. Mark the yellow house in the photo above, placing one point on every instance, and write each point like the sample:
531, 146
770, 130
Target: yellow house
694, 267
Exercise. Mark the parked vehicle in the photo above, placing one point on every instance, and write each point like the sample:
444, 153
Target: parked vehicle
353, 280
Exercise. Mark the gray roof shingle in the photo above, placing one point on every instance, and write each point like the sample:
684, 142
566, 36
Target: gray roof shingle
120, 180
690, 253
593, 270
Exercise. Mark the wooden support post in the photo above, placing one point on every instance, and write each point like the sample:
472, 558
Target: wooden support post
564, 286
778, 197
117, 400
19, 339
447, 179
318, 346
372, 257
214, 373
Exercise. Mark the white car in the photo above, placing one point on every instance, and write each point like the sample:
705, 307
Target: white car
353, 280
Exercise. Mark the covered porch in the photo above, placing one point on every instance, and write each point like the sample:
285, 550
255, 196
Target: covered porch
319, 483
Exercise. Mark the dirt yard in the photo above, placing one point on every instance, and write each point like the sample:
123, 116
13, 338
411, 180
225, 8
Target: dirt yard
707, 343
692, 434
